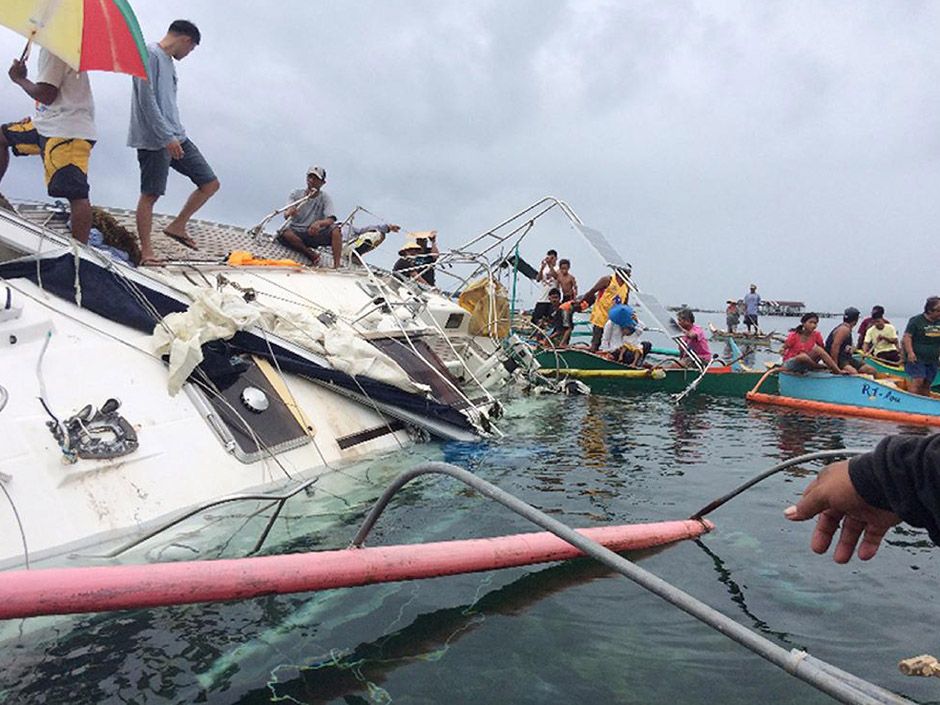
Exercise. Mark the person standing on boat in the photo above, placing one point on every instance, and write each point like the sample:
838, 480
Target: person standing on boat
839, 344
752, 309
881, 340
865, 496
732, 318
876, 312
922, 347
161, 142
803, 348
548, 278
312, 224
609, 290
567, 283
63, 133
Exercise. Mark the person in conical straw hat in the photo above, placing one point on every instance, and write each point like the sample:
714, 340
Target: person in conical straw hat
417, 256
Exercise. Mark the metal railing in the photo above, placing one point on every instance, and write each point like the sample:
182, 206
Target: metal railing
829, 679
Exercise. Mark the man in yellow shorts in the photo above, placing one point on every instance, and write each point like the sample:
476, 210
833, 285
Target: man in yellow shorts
62, 132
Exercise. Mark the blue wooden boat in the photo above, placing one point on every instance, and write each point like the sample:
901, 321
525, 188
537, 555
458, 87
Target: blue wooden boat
853, 396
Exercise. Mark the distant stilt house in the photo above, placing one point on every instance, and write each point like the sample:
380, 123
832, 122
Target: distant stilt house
782, 308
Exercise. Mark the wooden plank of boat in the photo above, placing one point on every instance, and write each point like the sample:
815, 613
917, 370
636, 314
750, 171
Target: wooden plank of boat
885, 367
608, 374
576, 359
608, 377
851, 396
29, 593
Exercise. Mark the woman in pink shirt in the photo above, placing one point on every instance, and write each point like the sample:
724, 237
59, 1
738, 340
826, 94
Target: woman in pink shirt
804, 348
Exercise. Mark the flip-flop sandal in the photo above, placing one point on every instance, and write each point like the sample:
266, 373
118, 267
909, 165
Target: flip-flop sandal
184, 240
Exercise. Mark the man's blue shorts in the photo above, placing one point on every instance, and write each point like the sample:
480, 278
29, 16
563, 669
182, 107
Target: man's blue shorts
921, 370
322, 238
155, 167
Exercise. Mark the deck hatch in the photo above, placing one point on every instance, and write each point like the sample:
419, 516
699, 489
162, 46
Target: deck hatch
250, 434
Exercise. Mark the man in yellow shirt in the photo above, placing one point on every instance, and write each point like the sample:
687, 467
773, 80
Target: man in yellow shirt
608, 290
881, 340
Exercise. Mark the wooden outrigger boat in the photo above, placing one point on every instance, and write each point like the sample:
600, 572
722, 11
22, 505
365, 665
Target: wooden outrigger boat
889, 368
762, 339
606, 376
850, 395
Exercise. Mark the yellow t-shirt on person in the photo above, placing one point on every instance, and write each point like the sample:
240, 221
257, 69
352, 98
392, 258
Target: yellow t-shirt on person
605, 301
880, 346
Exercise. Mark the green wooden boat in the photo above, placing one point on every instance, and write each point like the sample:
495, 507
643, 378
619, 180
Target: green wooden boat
890, 369
608, 377
763, 339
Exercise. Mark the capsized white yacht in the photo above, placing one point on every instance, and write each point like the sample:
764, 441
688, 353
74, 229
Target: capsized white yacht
129, 395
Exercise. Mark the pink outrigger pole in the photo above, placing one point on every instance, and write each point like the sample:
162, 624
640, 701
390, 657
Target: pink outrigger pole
29, 593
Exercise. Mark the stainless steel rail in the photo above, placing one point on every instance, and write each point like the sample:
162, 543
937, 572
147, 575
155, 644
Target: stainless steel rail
836, 683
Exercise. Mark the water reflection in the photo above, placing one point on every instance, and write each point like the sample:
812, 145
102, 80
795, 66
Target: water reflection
689, 425
592, 433
795, 434
737, 596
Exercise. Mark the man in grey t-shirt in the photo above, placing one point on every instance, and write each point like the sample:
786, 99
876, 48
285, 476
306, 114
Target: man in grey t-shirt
160, 140
312, 223
751, 309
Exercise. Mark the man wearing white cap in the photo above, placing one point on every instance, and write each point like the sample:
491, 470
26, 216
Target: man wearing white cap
313, 223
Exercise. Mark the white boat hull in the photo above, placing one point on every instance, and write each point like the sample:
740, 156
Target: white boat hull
180, 461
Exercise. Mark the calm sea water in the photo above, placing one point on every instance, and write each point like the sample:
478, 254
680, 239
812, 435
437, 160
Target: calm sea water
570, 633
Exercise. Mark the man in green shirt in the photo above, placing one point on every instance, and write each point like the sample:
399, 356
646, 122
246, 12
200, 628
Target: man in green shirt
922, 347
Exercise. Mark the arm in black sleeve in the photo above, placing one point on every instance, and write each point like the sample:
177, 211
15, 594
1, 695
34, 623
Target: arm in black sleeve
902, 474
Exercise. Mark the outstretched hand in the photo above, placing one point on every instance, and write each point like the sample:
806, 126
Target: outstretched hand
833, 498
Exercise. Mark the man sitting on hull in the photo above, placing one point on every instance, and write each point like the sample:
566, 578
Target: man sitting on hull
313, 224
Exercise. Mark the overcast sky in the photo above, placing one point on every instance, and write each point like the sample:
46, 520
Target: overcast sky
794, 144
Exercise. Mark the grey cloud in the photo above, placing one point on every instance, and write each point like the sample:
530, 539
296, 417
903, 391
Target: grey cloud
792, 143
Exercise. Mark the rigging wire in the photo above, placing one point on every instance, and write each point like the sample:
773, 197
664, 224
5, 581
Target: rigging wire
19, 523
806, 457
133, 291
